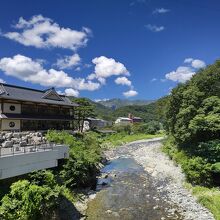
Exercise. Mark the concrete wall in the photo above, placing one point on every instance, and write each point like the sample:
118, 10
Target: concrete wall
19, 164
5, 124
7, 108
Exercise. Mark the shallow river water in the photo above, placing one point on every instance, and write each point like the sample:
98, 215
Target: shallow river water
128, 192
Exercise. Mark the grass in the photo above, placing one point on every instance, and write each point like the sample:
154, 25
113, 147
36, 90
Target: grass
209, 198
119, 139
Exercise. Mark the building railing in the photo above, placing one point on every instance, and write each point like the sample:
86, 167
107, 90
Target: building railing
16, 149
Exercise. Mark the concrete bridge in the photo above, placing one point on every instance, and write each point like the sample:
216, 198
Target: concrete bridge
17, 160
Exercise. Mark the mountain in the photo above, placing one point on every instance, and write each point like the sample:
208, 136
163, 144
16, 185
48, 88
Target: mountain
117, 103
100, 110
147, 110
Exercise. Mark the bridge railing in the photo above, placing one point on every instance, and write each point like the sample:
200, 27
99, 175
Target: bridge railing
31, 148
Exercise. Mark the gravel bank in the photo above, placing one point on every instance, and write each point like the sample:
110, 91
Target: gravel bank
168, 178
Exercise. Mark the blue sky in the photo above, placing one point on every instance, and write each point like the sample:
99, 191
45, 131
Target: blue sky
137, 49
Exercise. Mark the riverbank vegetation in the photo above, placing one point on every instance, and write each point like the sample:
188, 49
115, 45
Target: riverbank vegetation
128, 133
193, 126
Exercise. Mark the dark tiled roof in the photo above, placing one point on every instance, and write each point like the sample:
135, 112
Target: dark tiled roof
32, 95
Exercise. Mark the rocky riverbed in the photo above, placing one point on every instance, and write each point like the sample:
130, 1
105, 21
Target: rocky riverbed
141, 182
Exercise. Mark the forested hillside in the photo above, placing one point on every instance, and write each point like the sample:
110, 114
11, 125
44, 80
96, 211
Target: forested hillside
153, 111
117, 103
193, 125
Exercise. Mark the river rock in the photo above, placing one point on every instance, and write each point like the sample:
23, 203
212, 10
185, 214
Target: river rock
7, 144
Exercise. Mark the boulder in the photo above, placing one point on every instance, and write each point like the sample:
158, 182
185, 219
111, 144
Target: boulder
8, 135
37, 140
15, 140
17, 135
7, 144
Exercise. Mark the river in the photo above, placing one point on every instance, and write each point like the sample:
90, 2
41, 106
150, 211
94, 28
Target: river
131, 188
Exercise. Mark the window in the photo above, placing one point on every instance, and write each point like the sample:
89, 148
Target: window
12, 108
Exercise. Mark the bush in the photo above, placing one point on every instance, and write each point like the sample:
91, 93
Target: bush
151, 127
123, 128
197, 171
85, 154
43, 178
209, 150
29, 201
216, 167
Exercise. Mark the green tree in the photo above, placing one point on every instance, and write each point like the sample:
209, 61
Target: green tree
206, 124
190, 119
83, 111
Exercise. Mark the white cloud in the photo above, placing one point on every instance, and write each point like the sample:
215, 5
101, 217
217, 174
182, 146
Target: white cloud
198, 64
102, 80
93, 76
195, 63
2, 81
68, 61
182, 74
100, 100
130, 93
188, 60
60, 92
26, 69
154, 79
123, 81
42, 32
71, 92
154, 28
106, 67
161, 11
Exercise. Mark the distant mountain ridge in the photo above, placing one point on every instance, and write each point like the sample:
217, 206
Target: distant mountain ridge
117, 103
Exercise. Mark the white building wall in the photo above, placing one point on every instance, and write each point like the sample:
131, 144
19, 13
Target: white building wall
8, 108
7, 123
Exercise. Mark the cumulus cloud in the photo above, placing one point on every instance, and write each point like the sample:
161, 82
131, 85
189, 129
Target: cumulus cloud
195, 63
154, 28
130, 93
93, 76
198, 64
184, 73
123, 81
68, 61
188, 60
30, 70
106, 67
42, 32
71, 92
2, 80
60, 92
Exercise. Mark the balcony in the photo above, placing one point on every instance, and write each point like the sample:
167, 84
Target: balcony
17, 160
